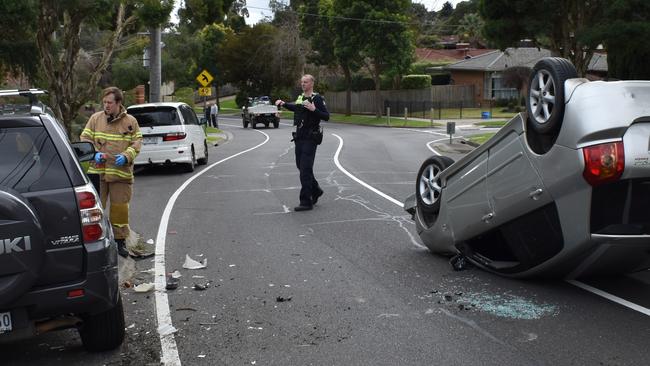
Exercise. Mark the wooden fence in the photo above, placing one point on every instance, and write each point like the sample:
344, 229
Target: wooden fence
438, 96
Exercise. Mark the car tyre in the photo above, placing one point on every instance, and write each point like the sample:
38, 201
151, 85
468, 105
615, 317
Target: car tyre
204, 160
546, 99
103, 331
427, 188
189, 167
276, 124
245, 124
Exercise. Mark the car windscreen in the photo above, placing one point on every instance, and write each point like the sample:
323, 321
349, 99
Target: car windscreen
155, 116
29, 161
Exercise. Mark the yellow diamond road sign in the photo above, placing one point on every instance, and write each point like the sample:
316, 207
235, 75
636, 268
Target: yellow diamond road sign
205, 92
204, 78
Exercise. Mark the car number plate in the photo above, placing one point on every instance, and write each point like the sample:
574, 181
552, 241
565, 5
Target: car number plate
150, 140
5, 322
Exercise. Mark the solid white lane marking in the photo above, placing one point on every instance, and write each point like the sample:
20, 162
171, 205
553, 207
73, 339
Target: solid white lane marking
169, 355
341, 168
610, 297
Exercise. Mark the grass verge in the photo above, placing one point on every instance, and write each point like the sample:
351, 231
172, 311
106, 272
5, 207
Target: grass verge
480, 138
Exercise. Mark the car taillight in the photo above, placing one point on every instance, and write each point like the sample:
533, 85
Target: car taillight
92, 215
603, 163
174, 136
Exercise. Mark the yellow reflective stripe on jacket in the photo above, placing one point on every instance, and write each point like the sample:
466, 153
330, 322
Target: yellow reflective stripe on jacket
137, 135
112, 136
110, 171
88, 132
132, 153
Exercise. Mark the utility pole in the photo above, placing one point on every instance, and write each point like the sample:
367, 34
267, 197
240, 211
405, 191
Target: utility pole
155, 66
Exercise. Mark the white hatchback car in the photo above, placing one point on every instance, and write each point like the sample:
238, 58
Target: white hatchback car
172, 134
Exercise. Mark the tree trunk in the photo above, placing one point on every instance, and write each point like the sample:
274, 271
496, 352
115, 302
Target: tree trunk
348, 90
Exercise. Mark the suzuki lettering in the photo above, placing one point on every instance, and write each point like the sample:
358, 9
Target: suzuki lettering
12, 245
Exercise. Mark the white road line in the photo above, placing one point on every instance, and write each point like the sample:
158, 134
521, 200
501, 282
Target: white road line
581, 285
610, 297
169, 355
341, 168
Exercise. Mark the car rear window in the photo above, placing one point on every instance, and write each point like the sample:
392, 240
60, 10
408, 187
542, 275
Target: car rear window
29, 162
155, 116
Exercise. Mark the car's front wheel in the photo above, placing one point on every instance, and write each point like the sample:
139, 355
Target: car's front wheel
103, 331
428, 187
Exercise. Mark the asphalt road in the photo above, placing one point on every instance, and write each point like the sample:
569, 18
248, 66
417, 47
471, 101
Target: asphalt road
345, 284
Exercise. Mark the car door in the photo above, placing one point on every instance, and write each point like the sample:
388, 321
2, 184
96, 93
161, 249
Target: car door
514, 187
193, 129
466, 198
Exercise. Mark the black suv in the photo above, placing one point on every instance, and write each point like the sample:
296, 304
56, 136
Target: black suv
58, 258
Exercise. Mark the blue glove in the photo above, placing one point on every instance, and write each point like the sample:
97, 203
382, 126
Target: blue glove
100, 158
120, 160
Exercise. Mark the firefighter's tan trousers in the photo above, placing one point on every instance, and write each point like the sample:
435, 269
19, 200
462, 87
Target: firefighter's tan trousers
118, 195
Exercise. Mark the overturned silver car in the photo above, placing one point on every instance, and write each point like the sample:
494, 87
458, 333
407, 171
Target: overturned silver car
560, 191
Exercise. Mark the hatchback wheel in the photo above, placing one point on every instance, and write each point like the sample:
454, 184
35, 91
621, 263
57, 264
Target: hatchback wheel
428, 187
545, 103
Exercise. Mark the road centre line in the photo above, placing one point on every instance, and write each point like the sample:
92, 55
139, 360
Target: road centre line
169, 355
606, 295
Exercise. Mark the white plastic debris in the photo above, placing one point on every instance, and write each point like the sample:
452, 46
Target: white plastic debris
201, 356
176, 274
144, 287
193, 264
150, 241
166, 330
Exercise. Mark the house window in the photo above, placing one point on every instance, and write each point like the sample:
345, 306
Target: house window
495, 88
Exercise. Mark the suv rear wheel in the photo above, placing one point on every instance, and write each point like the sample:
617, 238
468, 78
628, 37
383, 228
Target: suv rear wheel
189, 167
103, 331
204, 159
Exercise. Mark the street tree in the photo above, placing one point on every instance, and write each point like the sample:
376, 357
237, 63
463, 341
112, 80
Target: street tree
59, 27
624, 35
470, 29
565, 27
382, 32
329, 44
17, 45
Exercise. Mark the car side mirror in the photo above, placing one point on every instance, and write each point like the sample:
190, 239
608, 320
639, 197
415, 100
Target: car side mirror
203, 120
85, 151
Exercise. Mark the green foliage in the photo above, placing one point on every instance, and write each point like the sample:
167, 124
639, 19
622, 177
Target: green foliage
416, 81
185, 95
196, 14
153, 13
18, 41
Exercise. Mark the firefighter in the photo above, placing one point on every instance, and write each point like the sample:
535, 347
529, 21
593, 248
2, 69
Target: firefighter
117, 139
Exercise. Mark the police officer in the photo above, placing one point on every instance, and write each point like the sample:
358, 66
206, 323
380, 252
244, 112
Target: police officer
309, 109
117, 139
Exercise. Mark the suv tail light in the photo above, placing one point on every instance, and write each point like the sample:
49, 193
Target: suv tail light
174, 136
91, 213
603, 163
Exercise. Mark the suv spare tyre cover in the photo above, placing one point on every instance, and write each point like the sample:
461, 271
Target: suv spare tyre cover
21, 245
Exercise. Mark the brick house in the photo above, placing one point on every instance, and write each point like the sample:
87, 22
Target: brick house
485, 71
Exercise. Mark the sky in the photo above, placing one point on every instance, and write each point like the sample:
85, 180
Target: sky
259, 9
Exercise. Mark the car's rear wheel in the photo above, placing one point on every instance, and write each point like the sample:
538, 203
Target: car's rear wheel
276, 124
189, 167
204, 160
245, 123
103, 331
428, 187
545, 103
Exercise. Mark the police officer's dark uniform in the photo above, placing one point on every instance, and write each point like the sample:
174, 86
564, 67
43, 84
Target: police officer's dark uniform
307, 136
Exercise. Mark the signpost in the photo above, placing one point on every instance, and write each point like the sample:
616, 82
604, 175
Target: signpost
451, 129
204, 78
